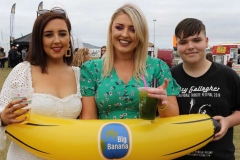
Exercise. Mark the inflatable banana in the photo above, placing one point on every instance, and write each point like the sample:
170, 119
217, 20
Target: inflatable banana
164, 139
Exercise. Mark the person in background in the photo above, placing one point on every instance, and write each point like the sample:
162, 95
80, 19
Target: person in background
103, 50
24, 52
209, 57
109, 85
75, 51
238, 60
80, 57
12, 57
46, 74
19, 56
230, 63
2, 58
9, 58
15, 56
207, 88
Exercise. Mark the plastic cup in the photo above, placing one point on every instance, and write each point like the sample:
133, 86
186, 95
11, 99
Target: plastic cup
147, 105
15, 95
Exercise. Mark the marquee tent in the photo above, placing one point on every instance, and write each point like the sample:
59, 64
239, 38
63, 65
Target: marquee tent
23, 41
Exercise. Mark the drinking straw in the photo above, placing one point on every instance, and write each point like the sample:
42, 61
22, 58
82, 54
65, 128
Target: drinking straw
144, 80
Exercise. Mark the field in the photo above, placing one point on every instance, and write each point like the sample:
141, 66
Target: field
4, 73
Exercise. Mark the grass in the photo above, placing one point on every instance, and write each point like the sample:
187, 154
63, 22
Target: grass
236, 140
4, 73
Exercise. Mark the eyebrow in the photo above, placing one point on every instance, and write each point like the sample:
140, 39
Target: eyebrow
123, 25
119, 24
52, 31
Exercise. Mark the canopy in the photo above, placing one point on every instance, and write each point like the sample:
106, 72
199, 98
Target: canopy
23, 41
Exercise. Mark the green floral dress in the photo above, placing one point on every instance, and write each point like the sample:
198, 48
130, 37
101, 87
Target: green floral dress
116, 100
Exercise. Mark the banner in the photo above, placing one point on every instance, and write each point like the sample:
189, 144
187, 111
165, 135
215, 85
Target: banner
12, 23
223, 49
40, 6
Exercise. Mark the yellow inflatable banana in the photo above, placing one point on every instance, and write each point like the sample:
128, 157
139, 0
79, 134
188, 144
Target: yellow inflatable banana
164, 139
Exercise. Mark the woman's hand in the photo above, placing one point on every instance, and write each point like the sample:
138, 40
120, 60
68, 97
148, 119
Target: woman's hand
160, 93
9, 113
167, 105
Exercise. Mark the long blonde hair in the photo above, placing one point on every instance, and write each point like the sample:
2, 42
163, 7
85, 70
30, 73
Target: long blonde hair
80, 57
141, 32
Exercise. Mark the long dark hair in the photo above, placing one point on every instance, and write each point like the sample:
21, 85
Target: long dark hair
36, 54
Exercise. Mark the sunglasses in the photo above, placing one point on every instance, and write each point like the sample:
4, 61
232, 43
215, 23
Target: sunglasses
103, 50
55, 10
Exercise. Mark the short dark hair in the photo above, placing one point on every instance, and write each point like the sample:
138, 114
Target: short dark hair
36, 54
189, 27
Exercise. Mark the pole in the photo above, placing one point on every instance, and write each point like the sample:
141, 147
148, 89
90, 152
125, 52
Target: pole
154, 32
153, 38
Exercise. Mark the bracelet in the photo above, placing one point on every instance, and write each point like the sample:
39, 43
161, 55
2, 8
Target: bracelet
162, 108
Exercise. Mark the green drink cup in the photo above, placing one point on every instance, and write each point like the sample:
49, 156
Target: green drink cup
147, 105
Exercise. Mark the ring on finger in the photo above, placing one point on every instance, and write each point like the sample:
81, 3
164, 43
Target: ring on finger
10, 110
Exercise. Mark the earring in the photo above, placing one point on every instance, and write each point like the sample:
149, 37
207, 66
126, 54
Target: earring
68, 54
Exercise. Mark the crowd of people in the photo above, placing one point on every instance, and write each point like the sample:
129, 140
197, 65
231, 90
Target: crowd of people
66, 83
14, 56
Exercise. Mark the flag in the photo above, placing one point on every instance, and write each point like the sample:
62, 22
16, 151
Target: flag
12, 23
13, 8
21, 34
40, 6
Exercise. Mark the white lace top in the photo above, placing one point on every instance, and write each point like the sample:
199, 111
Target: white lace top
43, 104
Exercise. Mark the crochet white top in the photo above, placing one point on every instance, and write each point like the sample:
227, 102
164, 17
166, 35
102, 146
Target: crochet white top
43, 104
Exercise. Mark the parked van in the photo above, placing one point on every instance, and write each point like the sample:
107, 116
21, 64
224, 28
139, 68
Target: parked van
167, 56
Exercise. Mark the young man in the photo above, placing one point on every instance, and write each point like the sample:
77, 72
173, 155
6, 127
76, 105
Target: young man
207, 88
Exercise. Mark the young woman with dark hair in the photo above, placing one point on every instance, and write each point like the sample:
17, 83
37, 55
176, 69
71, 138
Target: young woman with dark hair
46, 74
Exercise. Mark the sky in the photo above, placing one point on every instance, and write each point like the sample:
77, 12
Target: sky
90, 18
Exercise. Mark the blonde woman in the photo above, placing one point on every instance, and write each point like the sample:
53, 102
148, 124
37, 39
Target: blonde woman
109, 85
81, 56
